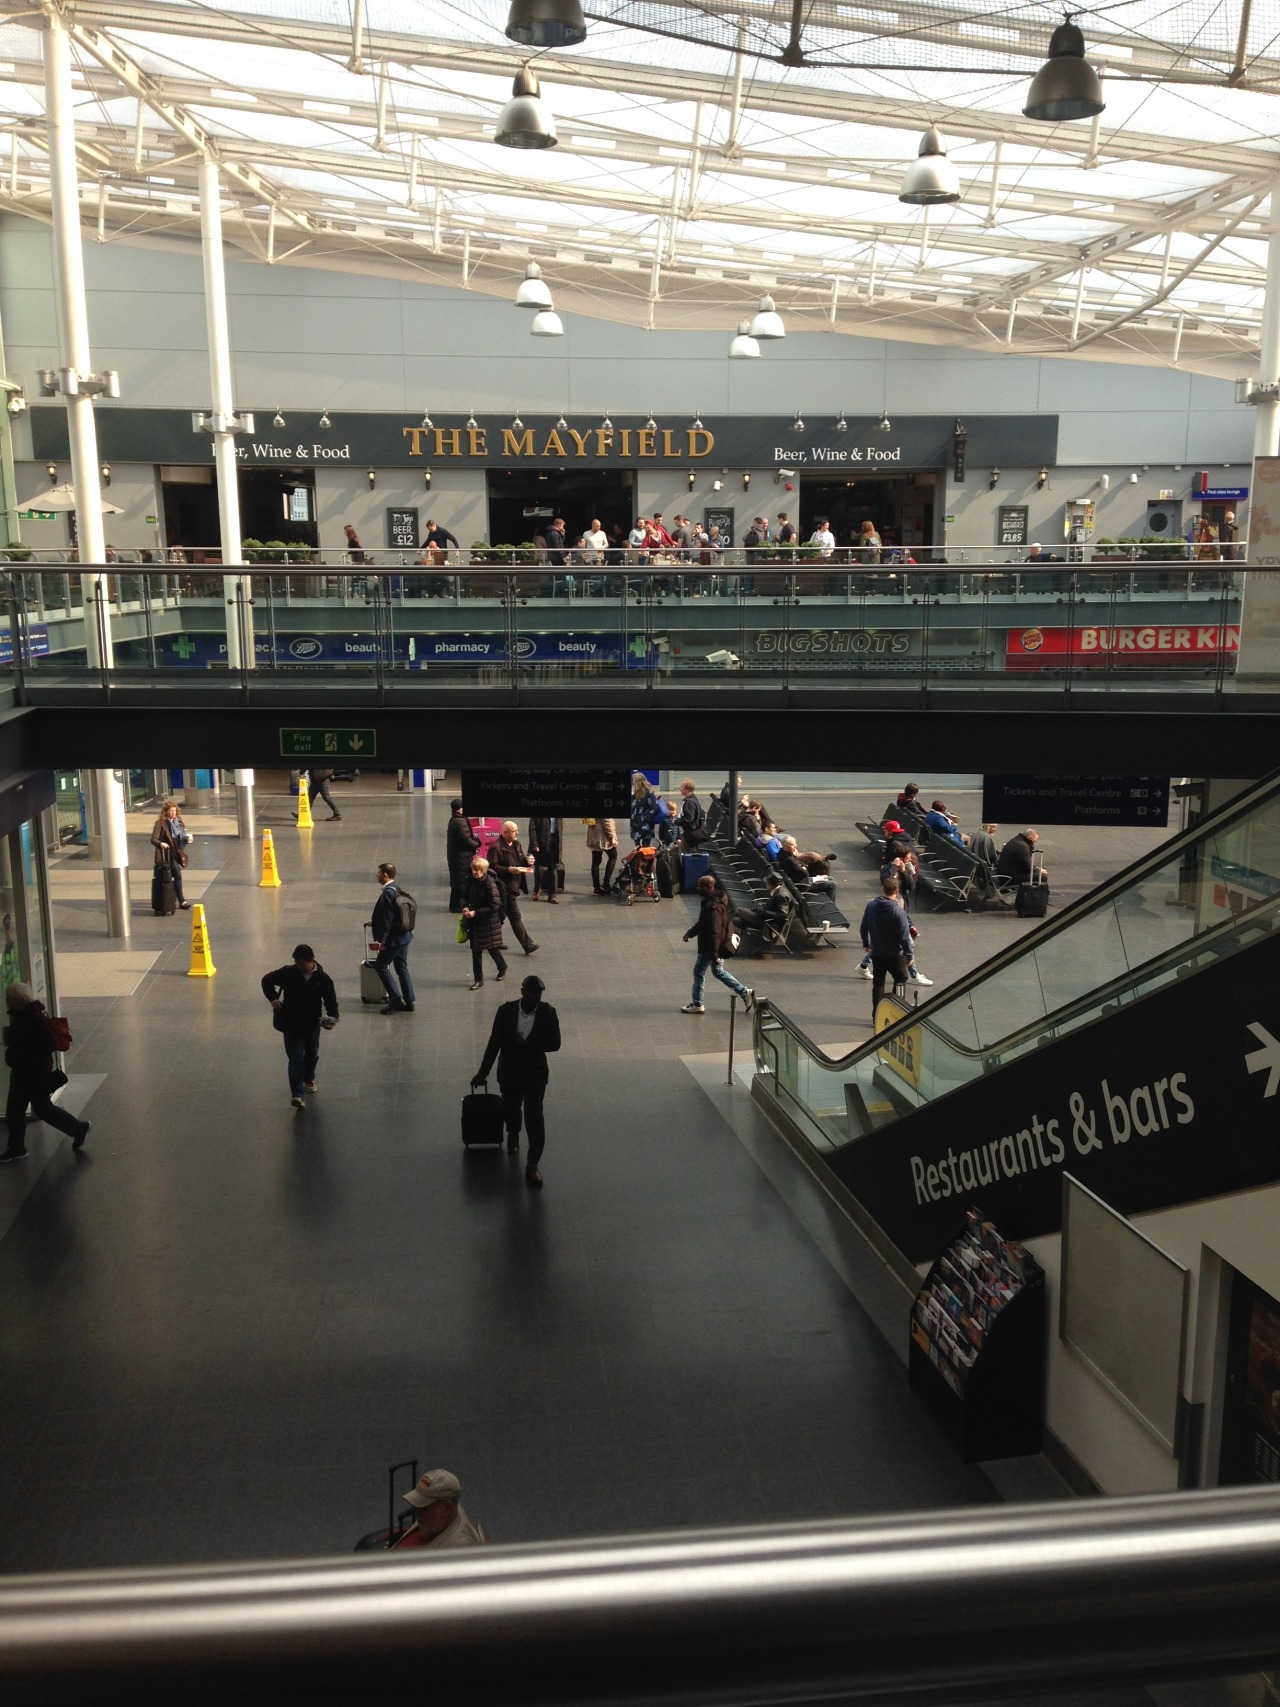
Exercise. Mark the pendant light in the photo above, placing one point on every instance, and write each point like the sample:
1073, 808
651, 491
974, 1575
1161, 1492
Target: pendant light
930, 179
533, 291
743, 347
525, 122
547, 324
546, 23
767, 322
1065, 87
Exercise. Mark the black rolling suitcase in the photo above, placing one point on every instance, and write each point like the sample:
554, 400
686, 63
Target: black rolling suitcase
482, 1121
164, 897
1032, 900
667, 871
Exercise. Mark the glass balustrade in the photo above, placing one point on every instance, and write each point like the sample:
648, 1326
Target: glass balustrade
1207, 893
731, 623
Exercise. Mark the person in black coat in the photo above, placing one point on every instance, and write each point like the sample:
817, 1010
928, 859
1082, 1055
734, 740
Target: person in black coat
1015, 857
712, 930
28, 1050
524, 1034
303, 1000
461, 845
482, 909
511, 866
544, 848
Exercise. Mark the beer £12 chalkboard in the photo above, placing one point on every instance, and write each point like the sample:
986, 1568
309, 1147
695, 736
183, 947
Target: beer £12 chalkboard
402, 530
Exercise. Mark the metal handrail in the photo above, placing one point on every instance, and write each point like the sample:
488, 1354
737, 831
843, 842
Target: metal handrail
921, 1608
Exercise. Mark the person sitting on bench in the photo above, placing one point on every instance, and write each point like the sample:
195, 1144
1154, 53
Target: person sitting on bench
774, 912
1015, 857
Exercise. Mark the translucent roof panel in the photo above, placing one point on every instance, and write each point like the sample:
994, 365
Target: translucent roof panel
707, 152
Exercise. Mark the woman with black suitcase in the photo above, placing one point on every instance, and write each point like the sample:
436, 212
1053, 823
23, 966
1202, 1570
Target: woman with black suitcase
482, 912
170, 838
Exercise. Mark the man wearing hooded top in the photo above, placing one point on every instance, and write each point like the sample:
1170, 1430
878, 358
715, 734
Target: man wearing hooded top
461, 846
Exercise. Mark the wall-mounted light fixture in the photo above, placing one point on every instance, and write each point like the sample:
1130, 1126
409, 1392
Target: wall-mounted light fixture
746, 482
697, 426
371, 476
651, 426
797, 426
995, 477
472, 423
1133, 480
324, 420
562, 425
517, 425
426, 419
885, 424
51, 469
426, 478
606, 427
717, 485
1042, 478
693, 480
842, 426
279, 420
105, 472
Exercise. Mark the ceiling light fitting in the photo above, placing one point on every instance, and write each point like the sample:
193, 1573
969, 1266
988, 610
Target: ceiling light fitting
533, 290
546, 23
931, 179
1066, 86
767, 322
547, 323
525, 121
743, 347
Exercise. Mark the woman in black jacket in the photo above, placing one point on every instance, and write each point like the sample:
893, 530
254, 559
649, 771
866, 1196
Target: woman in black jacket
482, 909
461, 846
28, 1050
712, 930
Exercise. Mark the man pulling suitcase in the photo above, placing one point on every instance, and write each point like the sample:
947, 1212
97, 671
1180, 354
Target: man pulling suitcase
524, 1034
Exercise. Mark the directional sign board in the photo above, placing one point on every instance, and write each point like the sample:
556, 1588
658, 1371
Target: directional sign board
1035, 800
519, 791
326, 743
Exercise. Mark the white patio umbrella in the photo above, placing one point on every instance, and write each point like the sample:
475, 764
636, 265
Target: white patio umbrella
64, 498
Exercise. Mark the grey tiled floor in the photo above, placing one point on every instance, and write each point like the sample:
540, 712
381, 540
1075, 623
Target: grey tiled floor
221, 1321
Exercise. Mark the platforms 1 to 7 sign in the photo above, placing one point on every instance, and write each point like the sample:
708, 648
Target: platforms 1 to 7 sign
328, 743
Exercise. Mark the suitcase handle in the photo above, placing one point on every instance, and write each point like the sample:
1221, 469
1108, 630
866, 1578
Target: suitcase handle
393, 1527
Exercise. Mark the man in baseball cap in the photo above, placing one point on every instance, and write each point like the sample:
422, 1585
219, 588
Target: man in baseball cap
439, 1521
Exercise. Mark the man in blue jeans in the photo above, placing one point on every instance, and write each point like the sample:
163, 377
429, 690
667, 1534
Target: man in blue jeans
391, 943
303, 1002
713, 931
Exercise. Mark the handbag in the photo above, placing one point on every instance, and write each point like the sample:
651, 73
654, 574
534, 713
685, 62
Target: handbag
463, 931
55, 1081
182, 856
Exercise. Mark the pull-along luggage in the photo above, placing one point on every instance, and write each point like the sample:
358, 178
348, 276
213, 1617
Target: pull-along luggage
372, 988
693, 866
482, 1121
164, 896
1032, 901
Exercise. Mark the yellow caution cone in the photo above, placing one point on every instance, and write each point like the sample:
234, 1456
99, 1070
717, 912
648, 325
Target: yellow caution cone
270, 876
305, 820
201, 956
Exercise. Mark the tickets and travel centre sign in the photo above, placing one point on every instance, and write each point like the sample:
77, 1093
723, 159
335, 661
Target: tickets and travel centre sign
360, 441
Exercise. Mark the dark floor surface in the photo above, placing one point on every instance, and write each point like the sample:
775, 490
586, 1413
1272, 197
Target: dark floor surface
223, 1319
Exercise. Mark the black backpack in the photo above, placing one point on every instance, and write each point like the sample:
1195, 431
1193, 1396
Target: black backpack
751, 537
407, 908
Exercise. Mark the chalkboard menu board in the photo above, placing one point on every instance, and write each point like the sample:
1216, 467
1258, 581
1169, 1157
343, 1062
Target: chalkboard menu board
1013, 524
402, 530
723, 519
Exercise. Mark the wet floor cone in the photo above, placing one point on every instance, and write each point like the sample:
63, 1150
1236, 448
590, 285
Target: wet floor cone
201, 956
270, 876
305, 820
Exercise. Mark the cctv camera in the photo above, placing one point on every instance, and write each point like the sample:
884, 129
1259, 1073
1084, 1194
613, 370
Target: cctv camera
730, 660
16, 404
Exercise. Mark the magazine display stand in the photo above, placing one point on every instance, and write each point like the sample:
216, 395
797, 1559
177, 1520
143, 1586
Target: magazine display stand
978, 1349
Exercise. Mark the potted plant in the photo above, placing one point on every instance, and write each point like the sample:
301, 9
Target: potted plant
251, 550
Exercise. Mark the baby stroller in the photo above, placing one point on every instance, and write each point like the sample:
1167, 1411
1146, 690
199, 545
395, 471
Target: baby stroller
638, 876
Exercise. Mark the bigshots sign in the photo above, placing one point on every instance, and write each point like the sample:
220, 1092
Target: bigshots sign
445, 441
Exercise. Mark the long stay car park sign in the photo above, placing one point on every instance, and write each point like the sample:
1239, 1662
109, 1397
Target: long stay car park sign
328, 743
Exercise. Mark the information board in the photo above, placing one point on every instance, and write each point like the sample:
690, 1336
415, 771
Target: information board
1035, 800
1012, 528
723, 519
402, 530
519, 791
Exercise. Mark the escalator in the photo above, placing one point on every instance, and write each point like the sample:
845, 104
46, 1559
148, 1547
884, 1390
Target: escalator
1133, 1042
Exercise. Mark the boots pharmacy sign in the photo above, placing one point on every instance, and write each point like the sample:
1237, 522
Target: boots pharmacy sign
1166, 1100
1143, 643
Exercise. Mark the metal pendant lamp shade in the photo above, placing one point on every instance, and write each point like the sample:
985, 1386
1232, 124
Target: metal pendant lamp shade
533, 291
546, 23
767, 322
931, 179
525, 122
1065, 87
547, 324
743, 347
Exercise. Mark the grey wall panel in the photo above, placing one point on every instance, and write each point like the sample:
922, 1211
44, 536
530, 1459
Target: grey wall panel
327, 379
308, 325
1100, 390
30, 322
533, 383
1221, 435
949, 382
1130, 437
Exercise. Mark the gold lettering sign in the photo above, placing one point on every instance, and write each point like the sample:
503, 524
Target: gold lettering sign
444, 442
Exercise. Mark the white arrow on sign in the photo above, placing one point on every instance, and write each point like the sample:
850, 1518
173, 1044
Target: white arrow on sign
355, 743
1267, 1057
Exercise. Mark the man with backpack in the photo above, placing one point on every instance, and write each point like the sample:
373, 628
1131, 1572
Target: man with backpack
395, 914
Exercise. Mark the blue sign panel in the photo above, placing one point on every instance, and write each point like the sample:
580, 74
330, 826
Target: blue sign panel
37, 643
415, 651
1222, 494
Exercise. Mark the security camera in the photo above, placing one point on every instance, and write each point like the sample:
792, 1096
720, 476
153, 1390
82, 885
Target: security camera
786, 474
730, 660
17, 404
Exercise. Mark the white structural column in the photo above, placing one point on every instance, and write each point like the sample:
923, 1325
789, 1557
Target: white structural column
1266, 428
73, 331
1258, 664
235, 587
245, 822
73, 337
